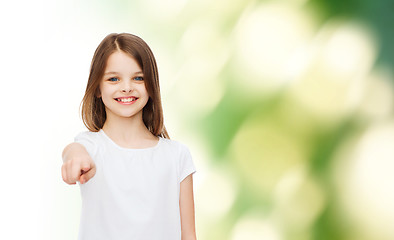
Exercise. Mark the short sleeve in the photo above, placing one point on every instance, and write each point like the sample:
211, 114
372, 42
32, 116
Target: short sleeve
86, 138
186, 165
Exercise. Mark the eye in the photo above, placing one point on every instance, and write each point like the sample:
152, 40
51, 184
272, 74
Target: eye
139, 78
113, 79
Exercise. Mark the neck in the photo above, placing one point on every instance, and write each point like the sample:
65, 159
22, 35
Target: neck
126, 129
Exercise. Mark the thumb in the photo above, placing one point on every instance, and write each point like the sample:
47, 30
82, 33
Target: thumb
87, 175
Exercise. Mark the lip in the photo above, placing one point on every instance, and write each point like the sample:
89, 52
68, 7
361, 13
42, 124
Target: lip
127, 97
126, 103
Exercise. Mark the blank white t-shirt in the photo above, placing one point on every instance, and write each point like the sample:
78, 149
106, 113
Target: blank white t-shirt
135, 192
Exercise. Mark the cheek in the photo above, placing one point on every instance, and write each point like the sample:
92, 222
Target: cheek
144, 90
106, 96
106, 91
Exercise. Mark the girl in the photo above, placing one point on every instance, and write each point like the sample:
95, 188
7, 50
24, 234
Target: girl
135, 182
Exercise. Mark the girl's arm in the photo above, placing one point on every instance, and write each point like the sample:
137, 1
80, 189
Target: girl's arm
72, 149
186, 205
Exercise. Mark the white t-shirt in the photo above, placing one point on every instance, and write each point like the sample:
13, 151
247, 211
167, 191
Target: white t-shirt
135, 192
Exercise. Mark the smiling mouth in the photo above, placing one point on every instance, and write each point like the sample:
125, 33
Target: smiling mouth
126, 100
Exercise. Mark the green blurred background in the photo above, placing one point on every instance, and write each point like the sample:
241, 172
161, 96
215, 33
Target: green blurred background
286, 105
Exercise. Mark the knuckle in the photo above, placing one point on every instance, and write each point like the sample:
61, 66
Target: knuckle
69, 163
85, 163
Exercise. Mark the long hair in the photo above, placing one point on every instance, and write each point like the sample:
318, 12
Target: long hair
93, 109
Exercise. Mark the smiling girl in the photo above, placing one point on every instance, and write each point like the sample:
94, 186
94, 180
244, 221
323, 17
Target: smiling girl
135, 182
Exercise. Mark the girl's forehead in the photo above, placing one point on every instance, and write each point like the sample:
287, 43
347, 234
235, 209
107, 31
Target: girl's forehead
121, 61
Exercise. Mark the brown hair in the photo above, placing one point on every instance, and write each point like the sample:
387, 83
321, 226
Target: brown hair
93, 109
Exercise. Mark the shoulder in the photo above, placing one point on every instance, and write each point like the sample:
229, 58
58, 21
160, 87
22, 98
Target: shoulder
90, 140
173, 143
176, 146
88, 135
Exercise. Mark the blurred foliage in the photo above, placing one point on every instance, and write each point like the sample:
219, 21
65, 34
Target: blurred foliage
254, 134
377, 14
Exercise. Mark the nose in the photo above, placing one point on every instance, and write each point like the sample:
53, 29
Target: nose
127, 87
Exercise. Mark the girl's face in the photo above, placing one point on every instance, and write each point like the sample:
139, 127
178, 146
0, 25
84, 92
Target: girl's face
122, 87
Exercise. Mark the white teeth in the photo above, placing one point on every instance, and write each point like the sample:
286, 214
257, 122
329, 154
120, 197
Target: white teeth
126, 99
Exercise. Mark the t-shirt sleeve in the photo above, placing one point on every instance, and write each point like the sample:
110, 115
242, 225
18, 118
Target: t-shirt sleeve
86, 138
186, 165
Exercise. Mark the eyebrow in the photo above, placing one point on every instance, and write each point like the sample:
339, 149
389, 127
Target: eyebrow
116, 73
